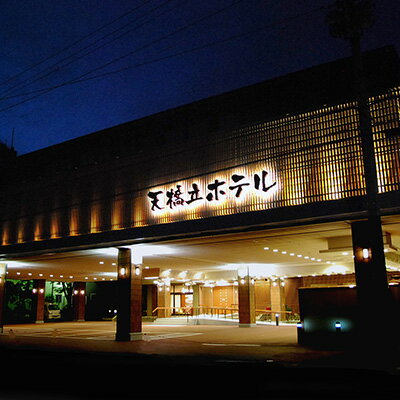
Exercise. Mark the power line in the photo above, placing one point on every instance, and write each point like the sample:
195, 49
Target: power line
81, 79
75, 43
181, 29
57, 68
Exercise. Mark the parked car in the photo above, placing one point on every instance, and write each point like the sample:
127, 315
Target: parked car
51, 311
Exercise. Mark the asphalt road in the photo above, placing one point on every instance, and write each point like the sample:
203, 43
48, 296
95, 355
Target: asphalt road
210, 362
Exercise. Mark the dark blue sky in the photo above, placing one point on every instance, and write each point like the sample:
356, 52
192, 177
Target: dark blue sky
51, 43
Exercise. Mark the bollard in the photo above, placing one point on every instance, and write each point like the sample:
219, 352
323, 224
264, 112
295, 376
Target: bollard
277, 319
11, 334
338, 326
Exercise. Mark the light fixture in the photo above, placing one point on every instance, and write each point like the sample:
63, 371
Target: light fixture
137, 271
365, 253
34, 290
101, 262
41, 290
75, 292
82, 292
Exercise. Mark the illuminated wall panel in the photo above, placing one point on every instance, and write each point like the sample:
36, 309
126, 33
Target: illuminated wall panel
294, 160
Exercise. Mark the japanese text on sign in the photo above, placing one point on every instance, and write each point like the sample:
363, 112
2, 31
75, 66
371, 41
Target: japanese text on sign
216, 190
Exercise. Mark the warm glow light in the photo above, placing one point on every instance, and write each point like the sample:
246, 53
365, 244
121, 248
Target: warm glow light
365, 253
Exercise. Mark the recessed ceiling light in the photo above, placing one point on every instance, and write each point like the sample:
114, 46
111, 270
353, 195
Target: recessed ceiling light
275, 250
101, 262
284, 252
266, 248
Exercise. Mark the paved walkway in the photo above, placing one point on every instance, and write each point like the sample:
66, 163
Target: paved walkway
267, 343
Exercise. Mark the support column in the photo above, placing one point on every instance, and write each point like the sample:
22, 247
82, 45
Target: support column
3, 268
129, 317
196, 300
163, 301
38, 291
277, 300
79, 301
151, 299
247, 311
373, 295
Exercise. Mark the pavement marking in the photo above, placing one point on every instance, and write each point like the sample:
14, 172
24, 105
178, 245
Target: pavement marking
232, 344
214, 344
150, 337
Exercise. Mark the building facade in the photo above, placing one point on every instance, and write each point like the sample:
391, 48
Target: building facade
282, 153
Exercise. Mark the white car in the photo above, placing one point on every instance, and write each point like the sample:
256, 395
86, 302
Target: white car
51, 311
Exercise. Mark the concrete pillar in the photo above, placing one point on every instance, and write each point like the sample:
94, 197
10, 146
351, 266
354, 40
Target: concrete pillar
79, 301
247, 311
3, 268
373, 295
39, 288
129, 317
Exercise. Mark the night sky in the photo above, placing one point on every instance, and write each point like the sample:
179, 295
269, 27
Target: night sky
151, 55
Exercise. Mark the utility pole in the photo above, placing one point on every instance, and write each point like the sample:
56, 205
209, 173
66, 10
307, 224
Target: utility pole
348, 19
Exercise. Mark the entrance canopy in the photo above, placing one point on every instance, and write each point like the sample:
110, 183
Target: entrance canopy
308, 250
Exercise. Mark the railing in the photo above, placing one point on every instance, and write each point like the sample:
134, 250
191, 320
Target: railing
277, 316
228, 313
218, 312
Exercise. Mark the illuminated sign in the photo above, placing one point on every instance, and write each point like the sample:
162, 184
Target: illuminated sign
233, 188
